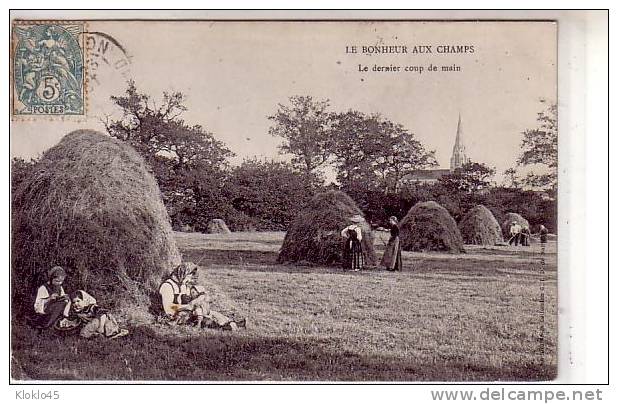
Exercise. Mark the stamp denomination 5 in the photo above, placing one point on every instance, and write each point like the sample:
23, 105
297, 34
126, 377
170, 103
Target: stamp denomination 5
48, 69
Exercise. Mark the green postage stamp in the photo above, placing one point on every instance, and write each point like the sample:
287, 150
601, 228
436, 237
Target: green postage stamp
48, 68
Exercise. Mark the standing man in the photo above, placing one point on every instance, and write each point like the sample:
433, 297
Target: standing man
515, 231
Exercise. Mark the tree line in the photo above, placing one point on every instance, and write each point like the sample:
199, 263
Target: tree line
371, 156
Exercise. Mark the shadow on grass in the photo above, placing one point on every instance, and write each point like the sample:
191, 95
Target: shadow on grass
148, 355
230, 257
257, 261
265, 261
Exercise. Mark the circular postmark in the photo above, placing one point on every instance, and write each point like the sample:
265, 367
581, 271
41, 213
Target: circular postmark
106, 56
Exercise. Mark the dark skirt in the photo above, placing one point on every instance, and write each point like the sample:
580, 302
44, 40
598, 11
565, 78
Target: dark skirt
353, 255
391, 259
54, 312
543, 238
90, 313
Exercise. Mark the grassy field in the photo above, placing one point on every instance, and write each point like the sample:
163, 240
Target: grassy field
475, 316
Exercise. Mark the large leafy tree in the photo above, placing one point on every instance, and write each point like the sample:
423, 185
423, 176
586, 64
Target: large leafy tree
189, 163
355, 147
270, 192
373, 153
159, 133
540, 147
400, 154
304, 127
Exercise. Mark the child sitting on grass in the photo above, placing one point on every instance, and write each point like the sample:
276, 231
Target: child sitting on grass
98, 321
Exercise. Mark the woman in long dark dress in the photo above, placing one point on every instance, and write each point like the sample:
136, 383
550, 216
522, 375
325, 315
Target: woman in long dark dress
353, 251
391, 259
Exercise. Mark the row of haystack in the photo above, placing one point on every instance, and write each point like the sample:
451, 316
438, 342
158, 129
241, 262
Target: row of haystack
314, 236
436, 230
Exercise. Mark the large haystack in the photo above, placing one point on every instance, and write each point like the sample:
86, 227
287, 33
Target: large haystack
314, 236
510, 218
479, 226
92, 207
429, 227
217, 226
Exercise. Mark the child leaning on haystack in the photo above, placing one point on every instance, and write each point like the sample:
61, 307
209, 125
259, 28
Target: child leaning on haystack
185, 302
97, 320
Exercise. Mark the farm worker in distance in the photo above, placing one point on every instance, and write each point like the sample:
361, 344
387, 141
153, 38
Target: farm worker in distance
543, 234
515, 231
97, 320
524, 236
52, 305
353, 251
185, 302
392, 255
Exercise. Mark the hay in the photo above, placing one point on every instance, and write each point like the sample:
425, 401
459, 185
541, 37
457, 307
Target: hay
92, 207
217, 226
314, 236
480, 227
429, 227
186, 228
512, 217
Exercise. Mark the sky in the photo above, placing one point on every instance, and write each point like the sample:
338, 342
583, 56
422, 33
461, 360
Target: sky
235, 73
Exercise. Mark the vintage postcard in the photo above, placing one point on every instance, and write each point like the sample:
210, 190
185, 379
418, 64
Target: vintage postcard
267, 200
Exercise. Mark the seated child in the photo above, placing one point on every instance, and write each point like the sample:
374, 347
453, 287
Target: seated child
192, 305
97, 320
52, 305
199, 304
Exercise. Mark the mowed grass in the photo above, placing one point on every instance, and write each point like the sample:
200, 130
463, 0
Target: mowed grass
489, 314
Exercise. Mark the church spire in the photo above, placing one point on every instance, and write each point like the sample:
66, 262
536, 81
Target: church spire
458, 159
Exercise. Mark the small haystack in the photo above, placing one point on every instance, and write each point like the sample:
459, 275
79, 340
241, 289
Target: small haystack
92, 206
479, 226
186, 228
429, 227
217, 226
314, 236
510, 218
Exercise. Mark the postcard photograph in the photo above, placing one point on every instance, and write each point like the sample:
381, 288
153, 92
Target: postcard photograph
283, 201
